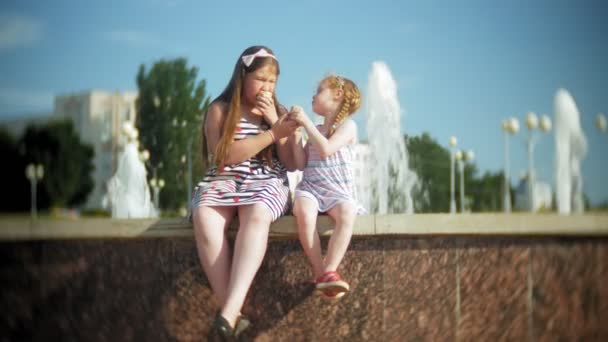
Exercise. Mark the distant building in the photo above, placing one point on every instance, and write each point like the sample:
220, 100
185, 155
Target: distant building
543, 195
362, 171
98, 118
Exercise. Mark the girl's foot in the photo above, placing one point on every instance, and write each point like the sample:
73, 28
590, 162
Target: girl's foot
220, 330
331, 285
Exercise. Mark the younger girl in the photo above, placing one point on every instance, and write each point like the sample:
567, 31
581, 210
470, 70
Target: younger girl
327, 185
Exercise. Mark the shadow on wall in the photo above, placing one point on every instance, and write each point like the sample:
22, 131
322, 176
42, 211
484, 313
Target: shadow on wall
189, 308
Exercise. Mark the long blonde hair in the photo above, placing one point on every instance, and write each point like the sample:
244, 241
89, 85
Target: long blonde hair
232, 97
350, 102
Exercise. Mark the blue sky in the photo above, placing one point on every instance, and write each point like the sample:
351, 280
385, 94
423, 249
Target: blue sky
461, 66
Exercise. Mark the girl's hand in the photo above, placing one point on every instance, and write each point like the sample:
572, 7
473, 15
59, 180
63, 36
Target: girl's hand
264, 106
298, 115
284, 127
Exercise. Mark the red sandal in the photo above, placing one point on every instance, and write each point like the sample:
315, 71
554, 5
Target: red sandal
331, 285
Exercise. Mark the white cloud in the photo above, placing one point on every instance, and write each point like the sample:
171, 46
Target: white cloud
22, 100
133, 38
16, 30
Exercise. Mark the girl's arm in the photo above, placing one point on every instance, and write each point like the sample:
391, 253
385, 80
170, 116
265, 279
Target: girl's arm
244, 149
284, 145
298, 151
344, 135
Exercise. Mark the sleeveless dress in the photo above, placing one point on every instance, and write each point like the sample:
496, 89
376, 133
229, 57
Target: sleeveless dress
329, 181
251, 181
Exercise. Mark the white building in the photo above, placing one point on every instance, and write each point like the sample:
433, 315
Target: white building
362, 171
543, 195
98, 117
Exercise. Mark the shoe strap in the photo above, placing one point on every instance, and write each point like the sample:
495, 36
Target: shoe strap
327, 275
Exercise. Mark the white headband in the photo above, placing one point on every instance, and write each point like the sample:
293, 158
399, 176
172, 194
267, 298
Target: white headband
248, 59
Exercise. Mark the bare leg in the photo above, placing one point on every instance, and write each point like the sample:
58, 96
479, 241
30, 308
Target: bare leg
306, 212
249, 250
344, 215
212, 246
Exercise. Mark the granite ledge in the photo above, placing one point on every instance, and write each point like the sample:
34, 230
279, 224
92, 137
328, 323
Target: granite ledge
495, 224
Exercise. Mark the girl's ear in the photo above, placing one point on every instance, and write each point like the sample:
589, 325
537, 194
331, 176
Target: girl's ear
339, 94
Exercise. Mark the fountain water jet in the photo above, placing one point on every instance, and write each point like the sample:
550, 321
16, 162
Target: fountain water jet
391, 179
128, 189
570, 150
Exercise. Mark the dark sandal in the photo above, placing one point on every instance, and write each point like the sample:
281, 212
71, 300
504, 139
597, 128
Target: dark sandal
221, 329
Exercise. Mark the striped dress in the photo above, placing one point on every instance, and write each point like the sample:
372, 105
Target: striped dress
329, 181
248, 182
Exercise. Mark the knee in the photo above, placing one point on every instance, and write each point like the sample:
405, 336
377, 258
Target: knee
207, 232
202, 234
304, 214
345, 216
298, 210
257, 221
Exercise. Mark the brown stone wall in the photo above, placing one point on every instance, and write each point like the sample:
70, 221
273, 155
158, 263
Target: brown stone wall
403, 289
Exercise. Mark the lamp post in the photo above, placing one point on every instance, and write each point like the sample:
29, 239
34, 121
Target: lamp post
462, 158
509, 126
157, 184
452, 142
600, 122
185, 125
34, 172
532, 122
144, 156
189, 177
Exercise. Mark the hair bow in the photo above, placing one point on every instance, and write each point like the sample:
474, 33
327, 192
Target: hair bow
248, 59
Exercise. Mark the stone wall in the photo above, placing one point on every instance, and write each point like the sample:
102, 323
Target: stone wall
403, 288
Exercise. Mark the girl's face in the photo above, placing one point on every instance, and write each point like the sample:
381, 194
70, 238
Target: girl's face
263, 79
326, 101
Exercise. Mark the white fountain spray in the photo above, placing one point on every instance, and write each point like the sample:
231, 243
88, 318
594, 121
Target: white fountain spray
391, 179
570, 150
128, 189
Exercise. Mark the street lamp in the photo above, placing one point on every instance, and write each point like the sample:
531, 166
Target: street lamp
157, 184
600, 122
185, 125
452, 142
34, 172
509, 126
462, 158
145, 155
532, 122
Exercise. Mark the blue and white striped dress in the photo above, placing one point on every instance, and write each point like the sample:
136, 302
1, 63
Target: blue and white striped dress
329, 181
249, 182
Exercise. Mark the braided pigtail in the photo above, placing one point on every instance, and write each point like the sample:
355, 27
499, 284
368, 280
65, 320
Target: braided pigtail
350, 102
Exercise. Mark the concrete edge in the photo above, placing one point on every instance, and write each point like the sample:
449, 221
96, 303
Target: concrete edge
12, 229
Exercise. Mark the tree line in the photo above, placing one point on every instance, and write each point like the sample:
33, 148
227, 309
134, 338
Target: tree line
170, 110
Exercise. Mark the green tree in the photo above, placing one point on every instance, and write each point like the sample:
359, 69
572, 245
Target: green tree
67, 161
487, 192
431, 162
170, 109
16, 186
